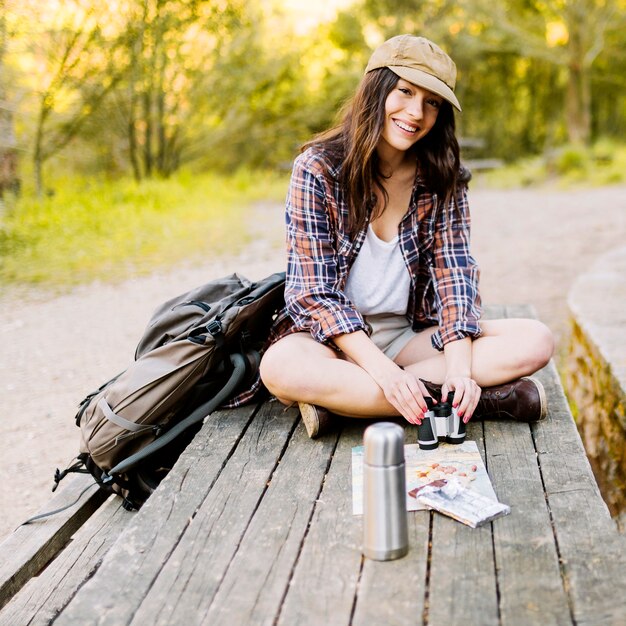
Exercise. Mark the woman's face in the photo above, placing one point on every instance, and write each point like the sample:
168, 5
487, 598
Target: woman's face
410, 113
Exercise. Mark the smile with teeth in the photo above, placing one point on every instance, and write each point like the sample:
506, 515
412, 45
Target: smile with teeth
405, 127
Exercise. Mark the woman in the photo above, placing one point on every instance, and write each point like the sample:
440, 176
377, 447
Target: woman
382, 304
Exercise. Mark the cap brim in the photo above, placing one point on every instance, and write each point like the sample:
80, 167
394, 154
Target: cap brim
426, 81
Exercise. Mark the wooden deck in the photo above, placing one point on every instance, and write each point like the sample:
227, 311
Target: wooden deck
254, 526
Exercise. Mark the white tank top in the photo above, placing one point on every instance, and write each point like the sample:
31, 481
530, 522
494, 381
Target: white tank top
379, 281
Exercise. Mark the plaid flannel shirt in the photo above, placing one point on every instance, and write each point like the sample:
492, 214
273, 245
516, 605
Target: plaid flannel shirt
434, 243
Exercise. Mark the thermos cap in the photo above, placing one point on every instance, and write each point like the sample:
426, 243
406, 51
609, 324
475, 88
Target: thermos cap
384, 444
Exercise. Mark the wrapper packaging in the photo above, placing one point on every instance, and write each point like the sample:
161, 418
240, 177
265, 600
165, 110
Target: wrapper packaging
464, 505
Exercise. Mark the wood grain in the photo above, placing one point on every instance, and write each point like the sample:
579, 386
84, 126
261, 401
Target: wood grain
462, 571
27, 550
45, 596
188, 582
133, 563
256, 582
325, 578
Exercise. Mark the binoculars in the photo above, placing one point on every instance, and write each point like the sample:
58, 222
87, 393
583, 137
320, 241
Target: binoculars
440, 422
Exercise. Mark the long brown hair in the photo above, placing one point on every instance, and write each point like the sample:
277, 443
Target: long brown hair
353, 141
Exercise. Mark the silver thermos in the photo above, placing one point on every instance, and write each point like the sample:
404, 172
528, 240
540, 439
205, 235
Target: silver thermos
385, 531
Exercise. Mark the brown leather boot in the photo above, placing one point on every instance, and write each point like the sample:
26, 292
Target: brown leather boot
523, 400
317, 420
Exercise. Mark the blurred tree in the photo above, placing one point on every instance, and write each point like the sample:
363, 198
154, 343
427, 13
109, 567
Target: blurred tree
270, 91
569, 34
77, 70
154, 84
521, 62
8, 144
183, 58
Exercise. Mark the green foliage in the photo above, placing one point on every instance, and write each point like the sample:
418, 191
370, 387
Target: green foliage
571, 159
108, 230
604, 163
164, 88
217, 85
214, 84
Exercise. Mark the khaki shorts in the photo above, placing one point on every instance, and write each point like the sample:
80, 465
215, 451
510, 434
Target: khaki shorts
390, 333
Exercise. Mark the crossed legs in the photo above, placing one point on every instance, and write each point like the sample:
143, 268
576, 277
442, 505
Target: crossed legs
299, 369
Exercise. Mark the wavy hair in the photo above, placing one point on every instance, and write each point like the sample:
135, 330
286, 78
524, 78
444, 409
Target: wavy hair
353, 141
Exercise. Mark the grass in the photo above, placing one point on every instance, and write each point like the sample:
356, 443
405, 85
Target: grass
568, 167
108, 230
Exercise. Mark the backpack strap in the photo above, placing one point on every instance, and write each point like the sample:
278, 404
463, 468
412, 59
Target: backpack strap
119, 420
76, 468
63, 508
238, 362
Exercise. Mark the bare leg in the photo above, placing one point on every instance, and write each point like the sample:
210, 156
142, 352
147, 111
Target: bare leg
297, 368
507, 350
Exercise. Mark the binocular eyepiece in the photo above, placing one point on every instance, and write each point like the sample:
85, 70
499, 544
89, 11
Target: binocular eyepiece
441, 421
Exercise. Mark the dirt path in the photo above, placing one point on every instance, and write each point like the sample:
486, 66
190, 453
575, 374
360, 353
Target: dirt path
531, 244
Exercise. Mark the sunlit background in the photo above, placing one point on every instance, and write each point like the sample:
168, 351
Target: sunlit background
152, 136
141, 100
305, 16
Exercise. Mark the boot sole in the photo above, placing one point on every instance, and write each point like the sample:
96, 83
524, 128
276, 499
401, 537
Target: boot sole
543, 400
310, 419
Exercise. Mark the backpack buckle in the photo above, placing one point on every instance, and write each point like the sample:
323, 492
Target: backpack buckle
106, 479
214, 327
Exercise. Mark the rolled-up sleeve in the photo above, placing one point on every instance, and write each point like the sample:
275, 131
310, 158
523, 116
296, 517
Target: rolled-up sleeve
313, 294
455, 275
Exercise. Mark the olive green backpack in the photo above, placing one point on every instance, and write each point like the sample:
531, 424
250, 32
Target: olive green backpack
197, 352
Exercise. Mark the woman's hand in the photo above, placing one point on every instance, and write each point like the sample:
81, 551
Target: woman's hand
458, 356
466, 395
405, 392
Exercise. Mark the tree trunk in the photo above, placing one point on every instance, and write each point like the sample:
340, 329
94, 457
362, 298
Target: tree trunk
38, 172
578, 93
132, 112
9, 180
132, 142
147, 137
38, 155
578, 106
160, 118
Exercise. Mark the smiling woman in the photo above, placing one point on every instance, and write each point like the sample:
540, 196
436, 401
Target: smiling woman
382, 302
410, 113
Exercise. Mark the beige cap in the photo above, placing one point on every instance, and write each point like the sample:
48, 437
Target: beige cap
419, 61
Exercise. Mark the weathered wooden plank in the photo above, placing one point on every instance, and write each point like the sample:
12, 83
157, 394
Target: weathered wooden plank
134, 561
392, 592
44, 596
530, 586
325, 579
592, 552
462, 585
256, 582
175, 561
184, 589
26, 551
529, 576
462, 576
